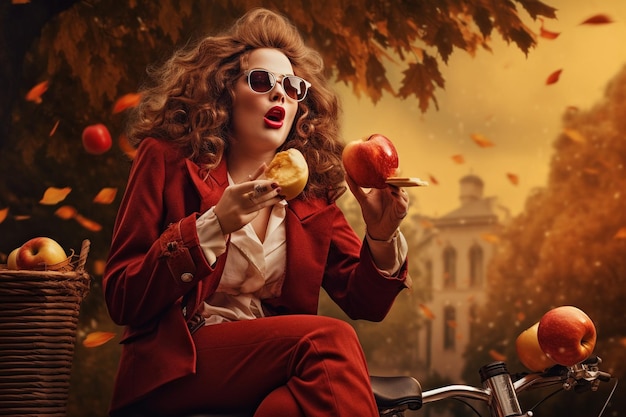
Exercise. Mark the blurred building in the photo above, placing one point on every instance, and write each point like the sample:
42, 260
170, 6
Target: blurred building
455, 250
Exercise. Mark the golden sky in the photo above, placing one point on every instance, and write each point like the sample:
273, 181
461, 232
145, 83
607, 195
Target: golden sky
503, 96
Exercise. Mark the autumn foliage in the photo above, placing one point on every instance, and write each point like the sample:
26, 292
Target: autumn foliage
568, 246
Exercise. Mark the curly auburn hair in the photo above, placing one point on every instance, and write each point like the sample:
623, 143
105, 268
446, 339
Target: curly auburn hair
190, 98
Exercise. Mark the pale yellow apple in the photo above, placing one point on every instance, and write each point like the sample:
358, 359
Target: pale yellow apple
529, 351
290, 171
11, 262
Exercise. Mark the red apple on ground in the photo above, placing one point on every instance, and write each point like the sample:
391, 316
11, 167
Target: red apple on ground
40, 253
567, 335
96, 139
11, 261
371, 161
529, 351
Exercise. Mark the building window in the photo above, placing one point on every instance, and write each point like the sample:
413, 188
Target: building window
449, 328
476, 262
449, 267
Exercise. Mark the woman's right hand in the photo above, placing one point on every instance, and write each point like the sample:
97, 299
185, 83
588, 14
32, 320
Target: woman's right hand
241, 203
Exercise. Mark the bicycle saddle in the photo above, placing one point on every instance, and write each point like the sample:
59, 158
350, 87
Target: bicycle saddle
390, 392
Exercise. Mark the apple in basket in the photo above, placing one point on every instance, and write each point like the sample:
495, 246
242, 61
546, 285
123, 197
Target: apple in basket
40, 253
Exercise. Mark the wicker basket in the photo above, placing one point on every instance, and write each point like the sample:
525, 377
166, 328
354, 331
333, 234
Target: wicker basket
38, 323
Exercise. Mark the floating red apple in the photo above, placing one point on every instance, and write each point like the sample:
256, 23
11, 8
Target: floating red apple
96, 139
371, 161
567, 335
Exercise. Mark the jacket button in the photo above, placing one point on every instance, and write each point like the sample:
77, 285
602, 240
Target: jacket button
186, 277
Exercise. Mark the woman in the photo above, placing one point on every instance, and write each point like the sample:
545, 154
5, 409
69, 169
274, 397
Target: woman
214, 275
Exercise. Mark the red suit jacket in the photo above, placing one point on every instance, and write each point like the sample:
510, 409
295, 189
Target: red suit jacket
156, 264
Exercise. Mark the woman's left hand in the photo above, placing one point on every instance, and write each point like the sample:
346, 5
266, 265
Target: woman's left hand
382, 209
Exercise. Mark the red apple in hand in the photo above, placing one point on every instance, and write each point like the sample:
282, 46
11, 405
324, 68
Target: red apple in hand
96, 139
529, 352
371, 161
567, 335
40, 253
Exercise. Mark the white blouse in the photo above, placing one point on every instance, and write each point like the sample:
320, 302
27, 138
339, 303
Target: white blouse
255, 270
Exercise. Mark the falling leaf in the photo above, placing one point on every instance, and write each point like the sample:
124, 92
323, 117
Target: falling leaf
88, 223
554, 77
621, 233
105, 196
126, 101
96, 339
481, 140
459, 159
547, 34
426, 224
98, 266
34, 94
513, 178
591, 171
54, 195
54, 129
451, 324
599, 19
490, 237
3, 214
126, 147
21, 217
433, 180
66, 212
521, 316
575, 135
427, 312
496, 356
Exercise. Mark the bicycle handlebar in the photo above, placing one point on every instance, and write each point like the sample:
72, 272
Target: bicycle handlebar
500, 389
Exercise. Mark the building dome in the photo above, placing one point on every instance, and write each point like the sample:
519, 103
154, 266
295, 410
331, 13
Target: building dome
471, 188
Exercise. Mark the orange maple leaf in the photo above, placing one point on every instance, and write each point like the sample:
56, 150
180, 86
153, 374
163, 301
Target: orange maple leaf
35, 93
513, 178
459, 159
621, 233
88, 223
66, 212
126, 101
575, 135
105, 195
126, 147
3, 214
54, 128
554, 77
96, 339
54, 195
496, 356
490, 237
481, 140
427, 312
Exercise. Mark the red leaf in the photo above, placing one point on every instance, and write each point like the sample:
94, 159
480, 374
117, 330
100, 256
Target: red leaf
513, 178
126, 101
547, 34
554, 77
598, 19
427, 311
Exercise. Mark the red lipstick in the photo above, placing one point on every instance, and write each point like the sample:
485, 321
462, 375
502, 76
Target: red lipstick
274, 117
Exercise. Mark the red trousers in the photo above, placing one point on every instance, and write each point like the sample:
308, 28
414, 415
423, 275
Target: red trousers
285, 366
